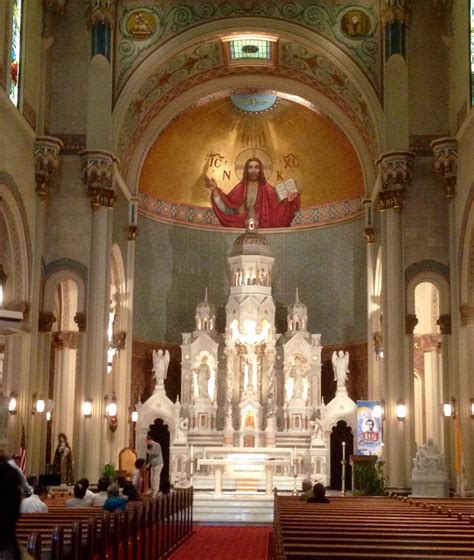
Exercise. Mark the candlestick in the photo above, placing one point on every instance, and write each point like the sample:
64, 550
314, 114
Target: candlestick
191, 453
343, 450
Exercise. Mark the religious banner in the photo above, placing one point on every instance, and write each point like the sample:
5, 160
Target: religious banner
369, 428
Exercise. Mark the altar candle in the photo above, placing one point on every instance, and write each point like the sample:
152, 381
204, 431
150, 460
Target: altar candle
191, 454
343, 450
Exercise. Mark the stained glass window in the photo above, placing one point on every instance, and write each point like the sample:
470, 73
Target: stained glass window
472, 52
245, 49
15, 51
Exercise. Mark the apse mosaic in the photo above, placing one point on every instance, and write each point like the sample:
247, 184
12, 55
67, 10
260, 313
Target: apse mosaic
293, 142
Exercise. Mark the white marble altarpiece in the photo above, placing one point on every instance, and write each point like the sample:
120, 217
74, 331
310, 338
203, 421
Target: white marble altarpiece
251, 411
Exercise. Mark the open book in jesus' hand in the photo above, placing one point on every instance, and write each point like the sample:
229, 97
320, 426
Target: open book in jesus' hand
284, 188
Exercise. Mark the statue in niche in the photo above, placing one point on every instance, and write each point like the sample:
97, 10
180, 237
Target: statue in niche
161, 362
299, 372
270, 399
182, 430
429, 459
253, 193
249, 366
316, 431
340, 364
203, 374
62, 463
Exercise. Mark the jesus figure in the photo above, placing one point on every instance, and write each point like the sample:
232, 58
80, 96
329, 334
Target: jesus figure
252, 192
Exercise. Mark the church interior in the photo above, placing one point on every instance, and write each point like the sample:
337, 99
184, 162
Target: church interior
263, 331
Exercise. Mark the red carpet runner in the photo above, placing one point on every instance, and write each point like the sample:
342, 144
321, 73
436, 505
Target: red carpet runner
225, 543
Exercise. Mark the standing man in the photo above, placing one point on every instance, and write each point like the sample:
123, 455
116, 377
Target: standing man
155, 460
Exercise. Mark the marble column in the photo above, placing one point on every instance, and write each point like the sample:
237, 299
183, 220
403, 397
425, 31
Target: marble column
97, 173
466, 387
46, 161
396, 170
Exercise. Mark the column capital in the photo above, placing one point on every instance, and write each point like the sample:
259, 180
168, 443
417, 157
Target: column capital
467, 314
445, 156
132, 232
118, 340
97, 169
46, 319
396, 11
46, 159
80, 318
411, 320
396, 172
101, 11
444, 322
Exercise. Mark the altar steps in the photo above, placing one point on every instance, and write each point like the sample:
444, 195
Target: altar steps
232, 508
246, 486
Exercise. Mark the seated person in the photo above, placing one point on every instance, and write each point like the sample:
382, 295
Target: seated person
78, 500
36, 502
10, 491
319, 495
306, 489
130, 492
114, 501
33, 481
89, 495
101, 496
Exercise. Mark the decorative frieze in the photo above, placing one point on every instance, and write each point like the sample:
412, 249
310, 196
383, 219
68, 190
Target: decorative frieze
97, 169
46, 158
444, 323
101, 11
396, 11
445, 158
411, 320
396, 170
46, 320
80, 319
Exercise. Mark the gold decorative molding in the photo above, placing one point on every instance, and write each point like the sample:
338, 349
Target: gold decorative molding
445, 152
391, 200
46, 320
444, 323
118, 340
101, 197
46, 159
411, 320
22, 306
80, 319
66, 339
467, 314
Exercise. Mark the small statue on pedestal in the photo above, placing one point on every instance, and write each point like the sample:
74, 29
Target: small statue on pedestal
160, 366
340, 364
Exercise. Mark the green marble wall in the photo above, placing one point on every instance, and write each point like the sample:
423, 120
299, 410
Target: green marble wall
174, 264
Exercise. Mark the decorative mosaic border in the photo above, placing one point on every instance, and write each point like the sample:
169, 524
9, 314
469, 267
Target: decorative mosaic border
190, 215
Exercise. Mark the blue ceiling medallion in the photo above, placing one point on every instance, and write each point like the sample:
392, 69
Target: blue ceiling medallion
254, 102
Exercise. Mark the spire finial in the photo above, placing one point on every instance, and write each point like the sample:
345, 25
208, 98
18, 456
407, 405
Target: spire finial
297, 300
205, 295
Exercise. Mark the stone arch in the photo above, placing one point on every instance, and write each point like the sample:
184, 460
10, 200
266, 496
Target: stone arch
133, 136
54, 278
417, 274
17, 243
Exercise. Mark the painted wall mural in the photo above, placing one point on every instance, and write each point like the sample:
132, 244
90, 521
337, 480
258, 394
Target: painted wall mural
354, 26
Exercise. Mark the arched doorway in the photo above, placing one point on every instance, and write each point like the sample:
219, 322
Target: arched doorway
160, 433
341, 432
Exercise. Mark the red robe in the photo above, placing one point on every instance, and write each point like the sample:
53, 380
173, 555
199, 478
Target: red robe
269, 212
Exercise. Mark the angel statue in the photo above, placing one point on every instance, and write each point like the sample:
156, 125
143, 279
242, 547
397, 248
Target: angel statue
340, 364
161, 362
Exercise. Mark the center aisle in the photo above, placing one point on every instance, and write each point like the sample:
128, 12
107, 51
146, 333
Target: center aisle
225, 543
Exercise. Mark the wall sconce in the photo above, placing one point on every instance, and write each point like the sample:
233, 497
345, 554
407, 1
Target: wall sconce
38, 404
449, 408
87, 408
378, 410
111, 412
13, 404
49, 410
3, 283
471, 402
49, 415
401, 410
134, 417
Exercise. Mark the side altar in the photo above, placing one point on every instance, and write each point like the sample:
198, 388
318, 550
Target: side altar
251, 413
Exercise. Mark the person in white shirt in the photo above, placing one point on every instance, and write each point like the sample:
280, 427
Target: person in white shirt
101, 496
78, 500
89, 495
36, 502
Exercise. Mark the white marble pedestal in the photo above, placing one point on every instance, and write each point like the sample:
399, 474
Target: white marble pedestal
430, 486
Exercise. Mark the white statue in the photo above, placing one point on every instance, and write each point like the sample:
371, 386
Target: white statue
316, 431
203, 374
429, 459
161, 362
182, 430
298, 372
340, 364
